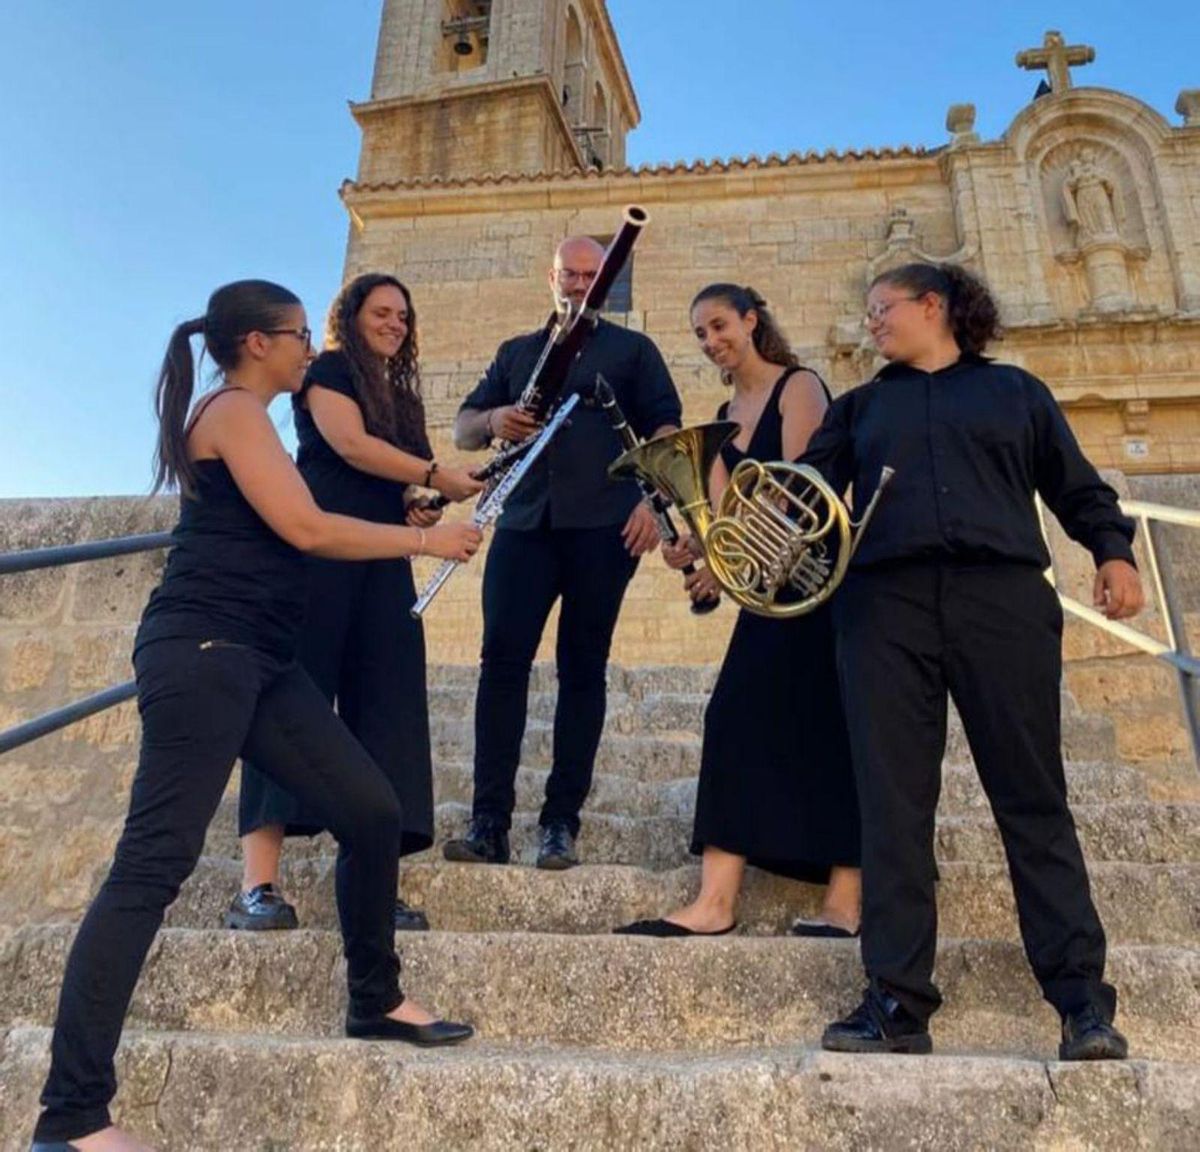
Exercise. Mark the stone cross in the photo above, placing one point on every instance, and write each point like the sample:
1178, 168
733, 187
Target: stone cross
1056, 57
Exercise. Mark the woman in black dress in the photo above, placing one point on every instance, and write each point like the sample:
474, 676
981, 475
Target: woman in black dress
776, 788
217, 679
363, 450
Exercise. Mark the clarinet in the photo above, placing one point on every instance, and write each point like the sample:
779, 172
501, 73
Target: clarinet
491, 503
566, 338
659, 504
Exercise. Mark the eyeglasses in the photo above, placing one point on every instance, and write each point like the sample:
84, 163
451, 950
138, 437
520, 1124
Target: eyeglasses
566, 275
302, 334
878, 311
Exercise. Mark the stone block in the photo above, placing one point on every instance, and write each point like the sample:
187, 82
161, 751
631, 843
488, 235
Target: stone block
29, 663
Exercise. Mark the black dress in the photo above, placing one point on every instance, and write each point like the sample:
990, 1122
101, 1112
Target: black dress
776, 782
359, 642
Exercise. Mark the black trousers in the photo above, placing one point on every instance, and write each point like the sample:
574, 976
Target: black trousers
526, 572
991, 637
201, 708
362, 647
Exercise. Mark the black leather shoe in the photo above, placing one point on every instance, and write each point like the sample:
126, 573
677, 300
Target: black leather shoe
410, 919
878, 1024
483, 844
1087, 1035
435, 1035
262, 909
556, 847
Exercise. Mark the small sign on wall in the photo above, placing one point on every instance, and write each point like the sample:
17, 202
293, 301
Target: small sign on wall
1136, 448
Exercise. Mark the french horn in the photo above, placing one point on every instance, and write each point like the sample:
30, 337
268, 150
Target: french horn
779, 540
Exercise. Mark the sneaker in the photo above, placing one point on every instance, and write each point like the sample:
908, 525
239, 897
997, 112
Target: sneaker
878, 1024
410, 919
262, 909
484, 843
556, 847
1088, 1035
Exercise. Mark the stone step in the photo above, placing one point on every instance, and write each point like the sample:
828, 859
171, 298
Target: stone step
1137, 832
625, 796
607, 991
678, 721
1139, 903
336, 1094
478, 1096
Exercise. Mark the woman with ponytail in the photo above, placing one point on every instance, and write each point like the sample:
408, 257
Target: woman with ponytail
776, 787
363, 451
217, 679
945, 598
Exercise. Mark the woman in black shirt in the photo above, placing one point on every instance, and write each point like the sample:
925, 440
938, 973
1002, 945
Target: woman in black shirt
363, 451
217, 679
947, 597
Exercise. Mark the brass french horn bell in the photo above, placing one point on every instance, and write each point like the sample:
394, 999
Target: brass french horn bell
780, 539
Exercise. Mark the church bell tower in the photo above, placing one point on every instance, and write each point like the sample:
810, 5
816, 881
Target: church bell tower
465, 88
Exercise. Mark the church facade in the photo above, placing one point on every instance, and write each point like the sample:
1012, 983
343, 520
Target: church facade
496, 127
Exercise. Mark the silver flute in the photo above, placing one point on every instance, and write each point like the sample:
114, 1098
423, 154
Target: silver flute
489, 507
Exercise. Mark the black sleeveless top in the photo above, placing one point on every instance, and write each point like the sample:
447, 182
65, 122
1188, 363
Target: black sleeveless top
766, 442
336, 485
228, 576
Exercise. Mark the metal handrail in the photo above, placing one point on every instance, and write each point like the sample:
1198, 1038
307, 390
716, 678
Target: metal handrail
1150, 516
37, 558
1175, 651
56, 557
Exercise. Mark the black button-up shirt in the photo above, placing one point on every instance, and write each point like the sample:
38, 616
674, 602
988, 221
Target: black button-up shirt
971, 444
569, 482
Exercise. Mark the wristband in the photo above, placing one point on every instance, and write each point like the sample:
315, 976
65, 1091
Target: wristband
429, 473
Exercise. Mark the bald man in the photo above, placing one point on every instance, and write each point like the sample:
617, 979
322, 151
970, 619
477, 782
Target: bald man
567, 532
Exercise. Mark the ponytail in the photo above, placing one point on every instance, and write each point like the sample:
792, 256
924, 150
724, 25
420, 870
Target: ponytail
971, 313
769, 341
233, 312
172, 400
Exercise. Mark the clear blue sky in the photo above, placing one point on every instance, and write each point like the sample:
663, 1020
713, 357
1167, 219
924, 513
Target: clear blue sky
150, 151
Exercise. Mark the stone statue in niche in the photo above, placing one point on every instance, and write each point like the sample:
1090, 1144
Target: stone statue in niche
1091, 201
1093, 212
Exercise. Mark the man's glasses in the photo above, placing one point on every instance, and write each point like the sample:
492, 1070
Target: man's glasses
566, 275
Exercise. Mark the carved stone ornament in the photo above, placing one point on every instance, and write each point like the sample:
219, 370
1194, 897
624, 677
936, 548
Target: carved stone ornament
1094, 218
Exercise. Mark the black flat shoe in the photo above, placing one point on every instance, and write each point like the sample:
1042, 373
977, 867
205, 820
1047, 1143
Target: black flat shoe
409, 919
819, 929
664, 929
435, 1035
878, 1024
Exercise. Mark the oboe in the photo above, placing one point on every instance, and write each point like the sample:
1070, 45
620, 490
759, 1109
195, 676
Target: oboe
659, 504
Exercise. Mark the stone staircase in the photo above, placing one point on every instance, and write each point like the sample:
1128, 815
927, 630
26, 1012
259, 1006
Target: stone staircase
587, 1040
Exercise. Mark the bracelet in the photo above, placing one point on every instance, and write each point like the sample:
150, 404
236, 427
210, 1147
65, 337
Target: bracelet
421, 545
433, 466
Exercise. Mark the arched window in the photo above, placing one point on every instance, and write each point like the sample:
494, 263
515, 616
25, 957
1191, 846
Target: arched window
466, 33
573, 71
599, 135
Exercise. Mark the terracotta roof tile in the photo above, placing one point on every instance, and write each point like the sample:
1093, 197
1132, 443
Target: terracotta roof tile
678, 167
